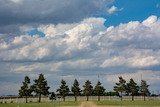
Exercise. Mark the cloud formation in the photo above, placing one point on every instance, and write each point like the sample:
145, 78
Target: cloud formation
49, 11
112, 10
150, 76
139, 42
85, 48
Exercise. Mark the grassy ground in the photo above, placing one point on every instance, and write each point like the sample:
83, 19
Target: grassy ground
129, 103
106, 103
53, 104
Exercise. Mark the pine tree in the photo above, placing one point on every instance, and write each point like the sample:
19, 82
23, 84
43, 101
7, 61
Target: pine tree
25, 88
121, 86
63, 89
76, 89
132, 88
40, 87
144, 88
99, 90
88, 89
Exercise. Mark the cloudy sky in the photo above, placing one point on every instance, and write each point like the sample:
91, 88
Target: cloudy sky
68, 39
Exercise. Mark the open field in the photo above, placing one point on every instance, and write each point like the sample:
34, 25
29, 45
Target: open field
51, 104
106, 103
129, 103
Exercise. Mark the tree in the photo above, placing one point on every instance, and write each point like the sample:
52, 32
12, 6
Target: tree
88, 89
53, 96
121, 86
144, 88
40, 86
99, 90
132, 88
76, 89
25, 88
63, 89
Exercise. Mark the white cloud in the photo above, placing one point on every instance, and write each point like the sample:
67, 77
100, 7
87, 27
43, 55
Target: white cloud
115, 61
150, 76
150, 21
143, 61
88, 45
137, 61
16, 1
112, 10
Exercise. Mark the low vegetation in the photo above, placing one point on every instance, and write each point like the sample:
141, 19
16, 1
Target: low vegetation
53, 104
128, 103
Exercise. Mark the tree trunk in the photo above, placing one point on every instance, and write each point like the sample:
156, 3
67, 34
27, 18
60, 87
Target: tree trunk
26, 100
87, 98
121, 96
132, 97
64, 99
75, 98
98, 98
144, 97
39, 98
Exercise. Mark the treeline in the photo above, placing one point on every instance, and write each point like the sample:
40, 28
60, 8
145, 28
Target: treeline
131, 88
40, 87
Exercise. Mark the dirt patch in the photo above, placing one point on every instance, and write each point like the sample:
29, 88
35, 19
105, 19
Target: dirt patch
92, 104
88, 104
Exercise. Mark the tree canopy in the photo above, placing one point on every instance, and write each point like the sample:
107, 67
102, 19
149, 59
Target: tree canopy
99, 90
132, 88
40, 86
25, 90
76, 89
88, 89
121, 86
63, 89
144, 88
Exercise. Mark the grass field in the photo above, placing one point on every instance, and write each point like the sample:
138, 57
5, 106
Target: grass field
129, 103
52, 104
85, 104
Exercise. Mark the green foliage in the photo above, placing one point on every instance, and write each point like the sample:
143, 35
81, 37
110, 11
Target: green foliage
144, 88
25, 90
99, 90
53, 96
88, 89
110, 93
76, 89
132, 88
40, 86
121, 86
63, 89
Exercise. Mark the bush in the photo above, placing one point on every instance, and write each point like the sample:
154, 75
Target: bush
11, 101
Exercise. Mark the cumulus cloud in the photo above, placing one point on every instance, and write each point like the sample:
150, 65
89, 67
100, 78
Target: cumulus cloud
17, 13
85, 48
112, 10
89, 38
150, 21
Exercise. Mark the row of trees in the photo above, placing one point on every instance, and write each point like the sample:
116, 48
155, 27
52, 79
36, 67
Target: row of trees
40, 87
131, 88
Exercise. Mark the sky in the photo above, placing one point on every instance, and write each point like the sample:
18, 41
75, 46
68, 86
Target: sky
68, 39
